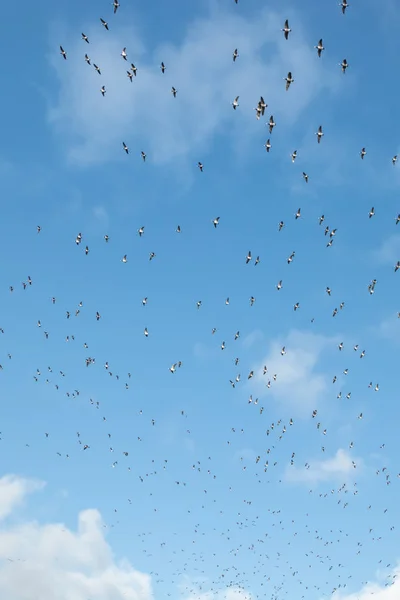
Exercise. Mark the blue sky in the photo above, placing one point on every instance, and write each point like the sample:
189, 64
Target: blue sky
192, 512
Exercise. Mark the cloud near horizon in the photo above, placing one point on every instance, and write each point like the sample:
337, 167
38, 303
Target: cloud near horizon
390, 590
52, 562
144, 113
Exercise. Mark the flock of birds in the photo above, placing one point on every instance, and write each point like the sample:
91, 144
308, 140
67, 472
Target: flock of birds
245, 532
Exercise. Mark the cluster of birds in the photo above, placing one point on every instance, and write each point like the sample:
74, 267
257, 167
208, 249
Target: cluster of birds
250, 543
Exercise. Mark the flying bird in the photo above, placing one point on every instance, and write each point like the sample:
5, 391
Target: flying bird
104, 23
319, 134
320, 48
63, 53
286, 29
289, 80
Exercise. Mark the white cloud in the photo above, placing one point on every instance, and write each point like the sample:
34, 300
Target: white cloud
13, 491
299, 386
51, 562
338, 468
389, 251
144, 113
390, 590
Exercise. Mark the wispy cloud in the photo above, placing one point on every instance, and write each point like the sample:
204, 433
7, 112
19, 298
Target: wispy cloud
389, 251
338, 468
390, 329
299, 385
144, 113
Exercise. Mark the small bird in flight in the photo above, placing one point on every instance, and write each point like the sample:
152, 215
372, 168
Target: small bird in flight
286, 29
289, 80
320, 48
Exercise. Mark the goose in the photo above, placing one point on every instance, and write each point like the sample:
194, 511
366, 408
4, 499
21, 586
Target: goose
290, 258
143, 155
394, 160
371, 213
252, 300
235, 103
106, 238
256, 261
298, 214
305, 177
174, 91
397, 266
281, 225
129, 75
321, 219
363, 153
141, 231
151, 255
289, 80
85, 38
235, 54
133, 69
115, 5
344, 4
87, 59
248, 257
125, 147
162, 67
178, 229
144, 301
63, 53
286, 29
215, 222
104, 23
320, 48
344, 64
271, 123
124, 259
146, 333
296, 306
97, 68
200, 165
397, 219
279, 285
319, 134
103, 90
268, 145
124, 53
294, 156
